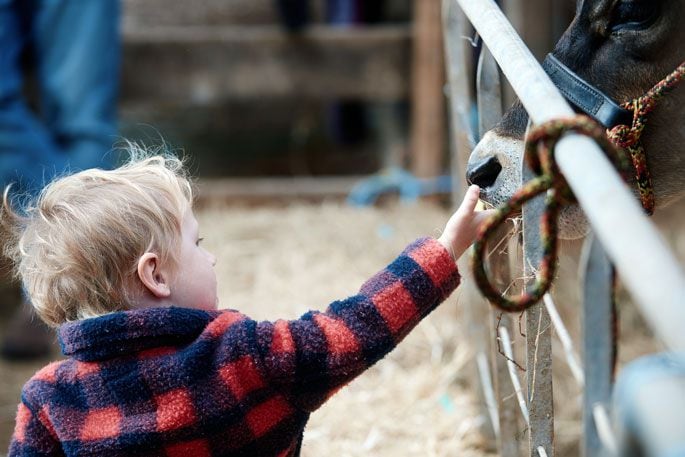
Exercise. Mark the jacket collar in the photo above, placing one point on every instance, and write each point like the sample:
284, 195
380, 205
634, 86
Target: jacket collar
127, 332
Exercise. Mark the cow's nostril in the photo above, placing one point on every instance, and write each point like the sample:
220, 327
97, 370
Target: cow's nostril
484, 173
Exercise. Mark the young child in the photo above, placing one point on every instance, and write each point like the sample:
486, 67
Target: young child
114, 260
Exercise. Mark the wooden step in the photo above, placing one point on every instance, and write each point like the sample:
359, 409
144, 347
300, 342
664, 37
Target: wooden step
199, 65
265, 190
147, 13
150, 13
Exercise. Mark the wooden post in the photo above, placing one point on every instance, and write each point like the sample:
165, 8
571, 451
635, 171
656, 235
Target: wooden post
428, 108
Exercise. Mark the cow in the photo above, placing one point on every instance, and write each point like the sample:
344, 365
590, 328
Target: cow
623, 48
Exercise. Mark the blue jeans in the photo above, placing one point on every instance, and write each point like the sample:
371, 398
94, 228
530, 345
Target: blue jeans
73, 50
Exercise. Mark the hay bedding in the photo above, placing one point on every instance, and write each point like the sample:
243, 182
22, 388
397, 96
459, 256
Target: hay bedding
281, 262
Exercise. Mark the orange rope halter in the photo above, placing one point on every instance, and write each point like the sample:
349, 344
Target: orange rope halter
628, 137
539, 151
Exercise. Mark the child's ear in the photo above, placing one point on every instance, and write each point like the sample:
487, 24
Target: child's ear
153, 276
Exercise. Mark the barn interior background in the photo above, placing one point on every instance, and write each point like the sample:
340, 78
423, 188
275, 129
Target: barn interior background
281, 116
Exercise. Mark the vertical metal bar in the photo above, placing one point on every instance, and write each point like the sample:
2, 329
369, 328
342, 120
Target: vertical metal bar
460, 98
538, 338
489, 91
455, 27
597, 339
489, 97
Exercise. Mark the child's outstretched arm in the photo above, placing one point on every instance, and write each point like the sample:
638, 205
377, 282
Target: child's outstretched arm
312, 357
460, 231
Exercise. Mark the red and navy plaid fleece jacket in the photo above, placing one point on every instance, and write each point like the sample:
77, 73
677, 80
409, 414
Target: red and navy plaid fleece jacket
184, 382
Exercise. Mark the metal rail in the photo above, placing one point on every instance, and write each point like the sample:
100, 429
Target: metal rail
649, 270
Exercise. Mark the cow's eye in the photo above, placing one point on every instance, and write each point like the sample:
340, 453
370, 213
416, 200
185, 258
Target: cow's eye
634, 15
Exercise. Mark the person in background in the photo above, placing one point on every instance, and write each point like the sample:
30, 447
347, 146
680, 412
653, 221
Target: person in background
70, 51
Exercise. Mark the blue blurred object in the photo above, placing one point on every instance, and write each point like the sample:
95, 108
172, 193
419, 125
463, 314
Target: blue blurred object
342, 12
447, 404
649, 406
409, 187
73, 50
385, 231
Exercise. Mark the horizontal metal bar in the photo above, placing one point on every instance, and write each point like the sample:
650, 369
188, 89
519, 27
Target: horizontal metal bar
649, 270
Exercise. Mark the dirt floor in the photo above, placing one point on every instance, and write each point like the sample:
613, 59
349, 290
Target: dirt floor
282, 261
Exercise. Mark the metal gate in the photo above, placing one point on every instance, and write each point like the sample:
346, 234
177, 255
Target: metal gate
650, 272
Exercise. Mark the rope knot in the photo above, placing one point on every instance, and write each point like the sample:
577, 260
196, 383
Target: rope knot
539, 154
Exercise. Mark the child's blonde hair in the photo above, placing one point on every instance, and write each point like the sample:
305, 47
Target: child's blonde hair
77, 246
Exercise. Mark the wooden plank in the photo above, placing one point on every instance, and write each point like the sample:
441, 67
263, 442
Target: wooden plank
428, 79
146, 13
204, 65
598, 340
265, 189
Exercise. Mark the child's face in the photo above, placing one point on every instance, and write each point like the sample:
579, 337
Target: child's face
194, 283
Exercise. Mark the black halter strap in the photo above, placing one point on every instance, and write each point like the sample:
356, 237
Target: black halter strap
584, 96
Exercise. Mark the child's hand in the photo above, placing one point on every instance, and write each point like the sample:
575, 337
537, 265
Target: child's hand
460, 230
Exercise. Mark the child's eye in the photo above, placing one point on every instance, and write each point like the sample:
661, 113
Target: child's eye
199, 240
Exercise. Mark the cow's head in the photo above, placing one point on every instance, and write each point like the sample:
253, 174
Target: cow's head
622, 47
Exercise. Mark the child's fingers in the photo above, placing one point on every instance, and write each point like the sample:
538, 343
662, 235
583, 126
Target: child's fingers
468, 205
482, 216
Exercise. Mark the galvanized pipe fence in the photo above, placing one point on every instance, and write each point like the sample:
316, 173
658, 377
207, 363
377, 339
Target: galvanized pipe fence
621, 234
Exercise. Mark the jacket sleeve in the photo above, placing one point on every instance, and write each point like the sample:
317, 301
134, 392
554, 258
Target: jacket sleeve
309, 359
32, 435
